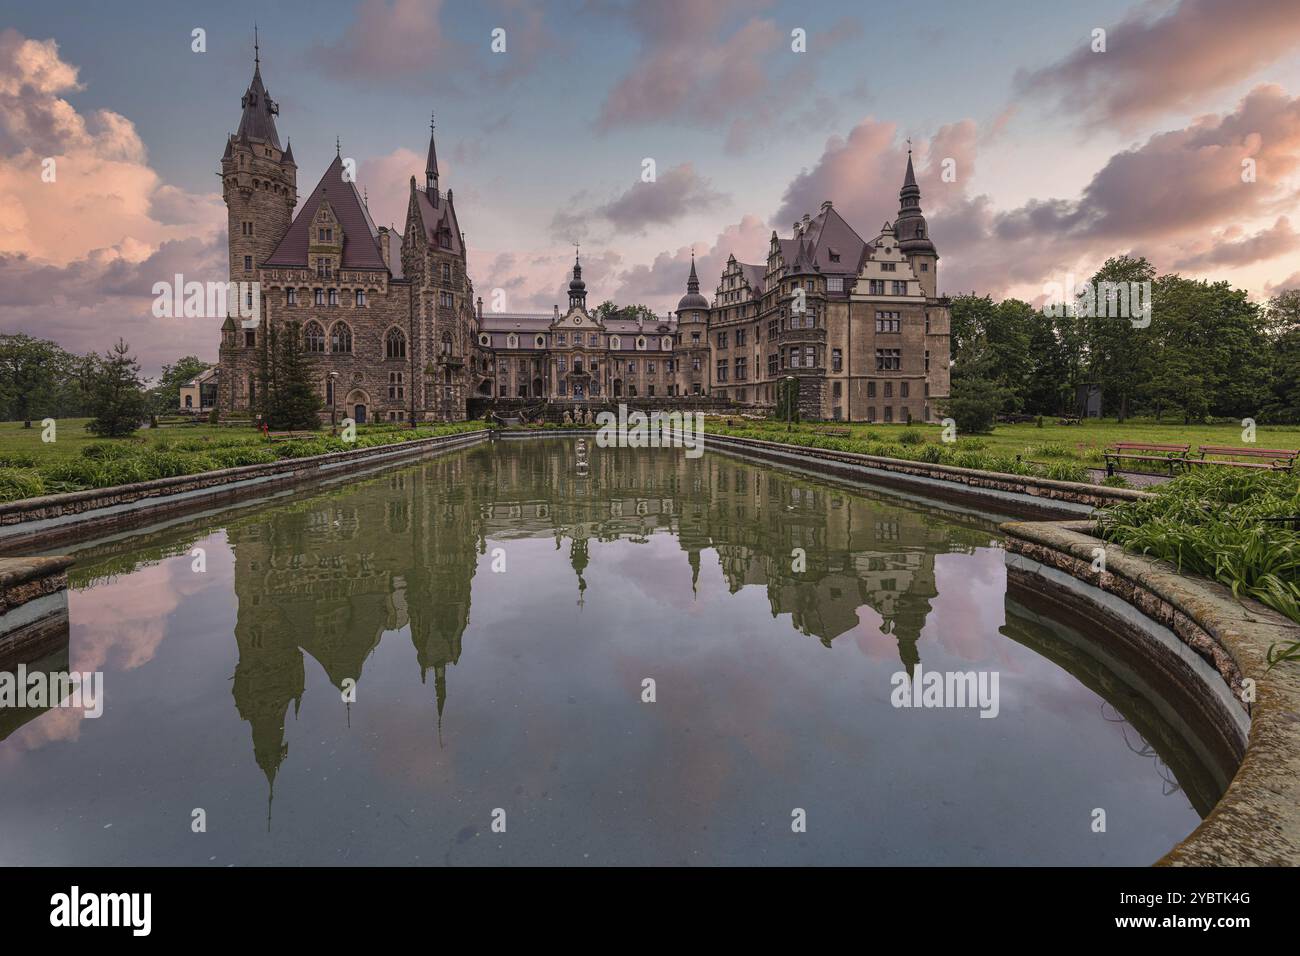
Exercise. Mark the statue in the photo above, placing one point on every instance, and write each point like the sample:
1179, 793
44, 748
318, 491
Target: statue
568, 417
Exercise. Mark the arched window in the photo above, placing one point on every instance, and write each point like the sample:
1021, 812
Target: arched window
446, 343
395, 344
313, 337
341, 338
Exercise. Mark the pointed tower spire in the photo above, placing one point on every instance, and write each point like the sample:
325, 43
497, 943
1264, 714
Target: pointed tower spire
257, 122
577, 288
693, 283
431, 165
910, 226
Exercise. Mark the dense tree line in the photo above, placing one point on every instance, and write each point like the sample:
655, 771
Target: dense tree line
1207, 352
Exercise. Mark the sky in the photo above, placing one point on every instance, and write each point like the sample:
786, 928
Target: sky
1063, 153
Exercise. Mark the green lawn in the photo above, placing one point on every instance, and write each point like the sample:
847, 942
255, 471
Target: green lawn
71, 436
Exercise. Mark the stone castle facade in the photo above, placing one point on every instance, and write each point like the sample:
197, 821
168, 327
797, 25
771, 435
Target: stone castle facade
394, 333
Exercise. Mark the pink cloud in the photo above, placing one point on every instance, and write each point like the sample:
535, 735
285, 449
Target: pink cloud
1170, 61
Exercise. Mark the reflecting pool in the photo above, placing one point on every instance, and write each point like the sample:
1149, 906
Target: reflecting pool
391, 670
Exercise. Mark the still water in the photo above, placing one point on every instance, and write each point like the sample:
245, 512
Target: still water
496, 617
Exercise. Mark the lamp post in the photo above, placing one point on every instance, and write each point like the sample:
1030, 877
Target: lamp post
334, 401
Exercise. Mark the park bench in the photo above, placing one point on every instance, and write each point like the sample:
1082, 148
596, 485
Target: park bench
1278, 459
289, 436
1171, 456
1069, 421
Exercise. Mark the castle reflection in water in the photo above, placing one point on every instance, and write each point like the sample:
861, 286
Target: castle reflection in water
329, 576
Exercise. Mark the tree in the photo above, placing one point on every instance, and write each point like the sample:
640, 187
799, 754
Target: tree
1118, 352
973, 403
288, 398
29, 376
118, 401
165, 396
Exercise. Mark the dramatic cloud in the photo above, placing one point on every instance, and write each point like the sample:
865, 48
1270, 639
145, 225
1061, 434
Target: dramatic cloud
79, 255
1159, 63
386, 181
676, 193
1234, 248
1163, 198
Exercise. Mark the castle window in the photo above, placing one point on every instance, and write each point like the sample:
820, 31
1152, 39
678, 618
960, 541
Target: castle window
325, 235
313, 337
837, 360
395, 344
771, 365
484, 341
560, 339
320, 296
927, 361
593, 340
834, 283
541, 341
902, 390
445, 300
889, 267
361, 297
290, 296
925, 267
250, 338
248, 263
927, 323
341, 338
396, 390
875, 286
889, 322
446, 272
900, 288
888, 360
640, 343
446, 343
334, 296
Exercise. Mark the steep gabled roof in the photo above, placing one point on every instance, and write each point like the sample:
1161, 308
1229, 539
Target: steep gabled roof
433, 218
360, 237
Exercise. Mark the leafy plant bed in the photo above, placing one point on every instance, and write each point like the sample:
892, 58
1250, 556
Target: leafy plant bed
1228, 525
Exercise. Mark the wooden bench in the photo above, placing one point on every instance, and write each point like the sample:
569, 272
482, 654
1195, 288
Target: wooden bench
1171, 456
1069, 421
1279, 459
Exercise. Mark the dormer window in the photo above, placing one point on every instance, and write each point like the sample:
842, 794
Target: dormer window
325, 234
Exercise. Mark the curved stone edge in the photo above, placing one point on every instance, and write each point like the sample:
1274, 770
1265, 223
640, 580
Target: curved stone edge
1257, 821
1048, 490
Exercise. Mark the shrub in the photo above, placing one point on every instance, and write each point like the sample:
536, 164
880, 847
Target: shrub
17, 459
911, 436
19, 483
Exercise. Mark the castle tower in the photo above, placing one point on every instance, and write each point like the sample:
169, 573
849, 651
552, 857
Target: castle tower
914, 234
577, 288
693, 338
259, 181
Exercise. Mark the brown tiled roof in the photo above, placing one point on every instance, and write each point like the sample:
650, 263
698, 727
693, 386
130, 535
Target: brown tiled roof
360, 242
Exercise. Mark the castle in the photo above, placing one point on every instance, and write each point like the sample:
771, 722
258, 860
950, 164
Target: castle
394, 332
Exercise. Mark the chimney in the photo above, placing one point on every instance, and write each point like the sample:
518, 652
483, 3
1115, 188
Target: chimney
557, 311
